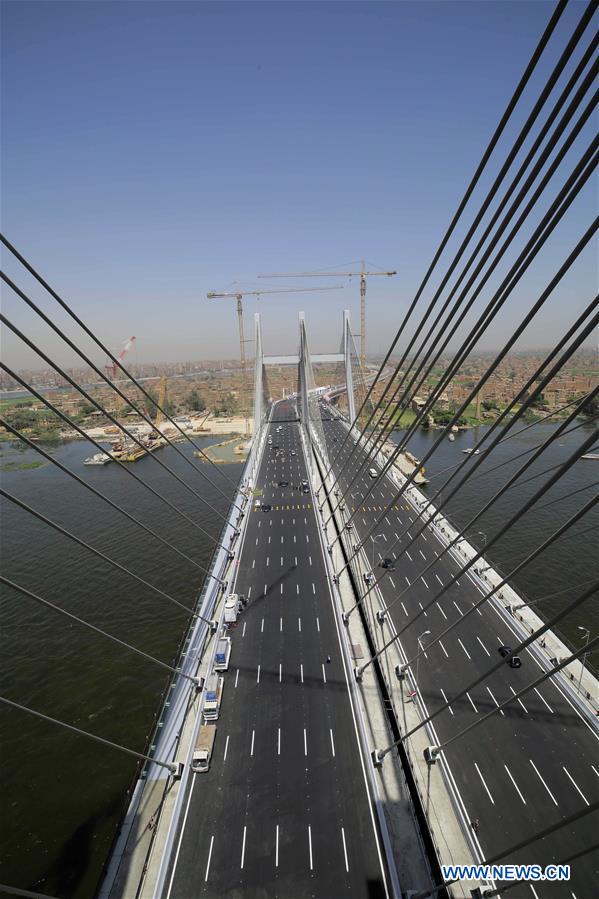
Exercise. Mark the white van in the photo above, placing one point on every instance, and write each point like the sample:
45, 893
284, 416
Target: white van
373, 472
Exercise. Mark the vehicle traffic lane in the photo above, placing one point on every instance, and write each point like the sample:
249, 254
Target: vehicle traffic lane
490, 775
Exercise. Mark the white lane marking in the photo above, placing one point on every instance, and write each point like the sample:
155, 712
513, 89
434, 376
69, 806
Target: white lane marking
324, 676
439, 579
277, 847
294, 540
299, 623
404, 608
262, 627
226, 747
258, 676
444, 650
236, 677
425, 584
483, 782
494, 700
313, 589
345, 850
396, 535
249, 592
252, 746
422, 607
254, 563
424, 538
407, 581
256, 541
392, 582
385, 538
445, 698
243, 847
302, 673
297, 587
595, 770
310, 559
280, 624
441, 610
317, 624
575, 785
457, 607
464, 648
520, 701
280, 671
422, 554
509, 774
471, 703
483, 646
542, 781
278, 741
408, 555
281, 589
281, 564
265, 589
243, 631
269, 540
333, 743
307, 538
543, 699
310, 846
305, 743
209, 857
409, 536
267, 561
282, 538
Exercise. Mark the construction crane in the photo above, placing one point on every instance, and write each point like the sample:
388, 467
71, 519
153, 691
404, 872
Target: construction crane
161, 401
112, 368
363, 274
238, 295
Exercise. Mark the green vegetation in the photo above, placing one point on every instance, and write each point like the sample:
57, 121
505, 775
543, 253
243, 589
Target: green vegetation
228, 405
403, 419
196, 402
20, 466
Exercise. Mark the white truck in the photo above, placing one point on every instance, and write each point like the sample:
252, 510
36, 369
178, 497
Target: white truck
222, 654
214, 692
233, 606
202, 752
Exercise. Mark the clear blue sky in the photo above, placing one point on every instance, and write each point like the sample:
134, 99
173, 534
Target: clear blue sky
156, 150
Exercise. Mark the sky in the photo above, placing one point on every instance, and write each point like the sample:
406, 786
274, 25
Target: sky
154, 151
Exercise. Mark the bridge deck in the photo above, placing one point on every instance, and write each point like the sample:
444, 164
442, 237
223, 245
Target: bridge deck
525, 768
284, 809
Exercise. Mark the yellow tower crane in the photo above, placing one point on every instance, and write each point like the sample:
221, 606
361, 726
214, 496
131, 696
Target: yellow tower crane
363, 275
238, 295
161, 401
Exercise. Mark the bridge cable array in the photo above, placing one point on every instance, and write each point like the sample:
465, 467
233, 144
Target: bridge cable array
117, 362
486, 156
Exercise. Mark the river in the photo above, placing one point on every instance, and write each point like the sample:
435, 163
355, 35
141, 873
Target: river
63, 794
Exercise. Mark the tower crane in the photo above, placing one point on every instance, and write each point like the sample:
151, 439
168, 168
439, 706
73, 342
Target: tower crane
238, 295
363, 275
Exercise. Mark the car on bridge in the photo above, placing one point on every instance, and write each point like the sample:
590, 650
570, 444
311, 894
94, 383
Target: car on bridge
266, 507
514, 662
283, 483
387, 563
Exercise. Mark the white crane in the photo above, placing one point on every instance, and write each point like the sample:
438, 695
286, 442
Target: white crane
363, 274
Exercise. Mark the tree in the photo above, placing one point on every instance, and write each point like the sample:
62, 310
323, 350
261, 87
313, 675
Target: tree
196, 402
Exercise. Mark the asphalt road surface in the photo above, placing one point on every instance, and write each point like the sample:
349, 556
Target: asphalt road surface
284, 810
529, 765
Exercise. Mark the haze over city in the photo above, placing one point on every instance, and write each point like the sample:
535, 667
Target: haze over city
154, 152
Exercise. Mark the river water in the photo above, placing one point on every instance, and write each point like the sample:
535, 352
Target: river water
63, 794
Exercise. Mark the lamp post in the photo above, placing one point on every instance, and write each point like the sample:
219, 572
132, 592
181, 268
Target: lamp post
374, 539
587, 634
421, 649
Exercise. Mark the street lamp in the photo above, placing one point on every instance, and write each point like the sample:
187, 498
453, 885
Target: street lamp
374, 539
421, 649
587, 634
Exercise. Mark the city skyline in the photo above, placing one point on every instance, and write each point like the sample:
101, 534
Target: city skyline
138, 187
